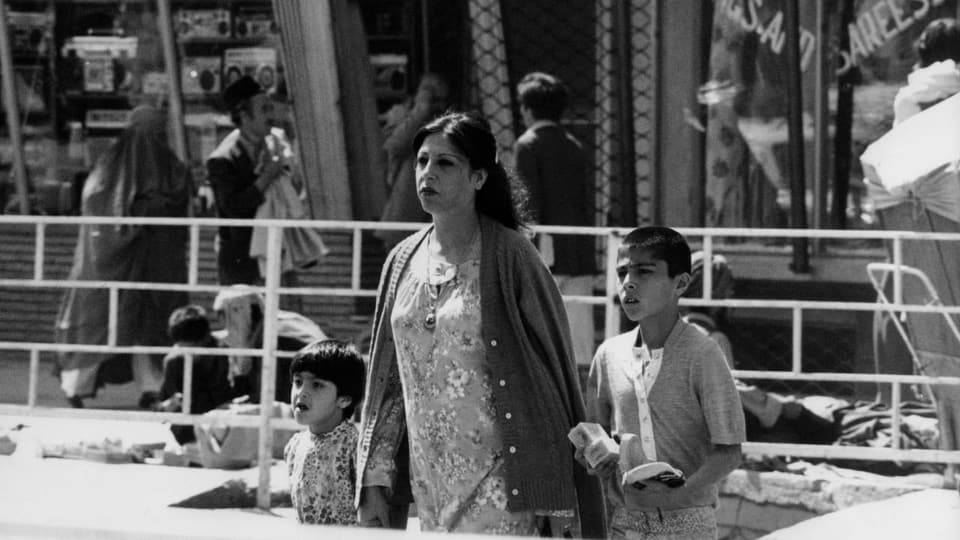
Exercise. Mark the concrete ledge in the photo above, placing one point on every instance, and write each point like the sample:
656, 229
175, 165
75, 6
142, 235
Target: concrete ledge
753, 503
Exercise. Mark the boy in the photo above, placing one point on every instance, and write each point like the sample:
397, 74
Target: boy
669, 385
188, 326
327, 385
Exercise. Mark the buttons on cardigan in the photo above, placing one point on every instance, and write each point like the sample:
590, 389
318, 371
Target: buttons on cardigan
515, 492
493, 343
503, 382
513, 450
508, 416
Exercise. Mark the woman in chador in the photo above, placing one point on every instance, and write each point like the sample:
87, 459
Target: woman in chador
138, 176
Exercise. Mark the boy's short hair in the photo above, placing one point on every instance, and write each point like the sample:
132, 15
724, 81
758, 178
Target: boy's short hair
544, 94
336, 361
939, 41
663, 243
188, 323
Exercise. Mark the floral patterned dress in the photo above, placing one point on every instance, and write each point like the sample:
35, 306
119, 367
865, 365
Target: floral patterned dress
322, 469
455, 451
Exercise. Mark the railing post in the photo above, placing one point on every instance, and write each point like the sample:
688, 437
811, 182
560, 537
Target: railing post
187, 383
611, 325
355, 260
112, 307
797, 320
898, 271
268, 373
707, 266
38, 249
193, 269
895, 415
34, 375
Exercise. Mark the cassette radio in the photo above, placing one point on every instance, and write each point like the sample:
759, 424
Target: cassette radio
202, 23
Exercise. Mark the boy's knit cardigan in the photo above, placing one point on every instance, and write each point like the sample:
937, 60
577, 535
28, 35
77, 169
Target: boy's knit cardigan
531, 369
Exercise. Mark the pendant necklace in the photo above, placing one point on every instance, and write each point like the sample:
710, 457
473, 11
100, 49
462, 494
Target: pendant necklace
430, 320
444, 276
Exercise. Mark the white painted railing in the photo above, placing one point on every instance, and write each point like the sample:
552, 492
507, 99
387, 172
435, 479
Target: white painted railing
704, 238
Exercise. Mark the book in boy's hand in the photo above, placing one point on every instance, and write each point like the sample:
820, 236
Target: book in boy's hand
660, 471
639, 469
593, 442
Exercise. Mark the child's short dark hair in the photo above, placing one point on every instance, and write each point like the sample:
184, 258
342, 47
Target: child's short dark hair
336, 361
663, 243
544, 94
188, 323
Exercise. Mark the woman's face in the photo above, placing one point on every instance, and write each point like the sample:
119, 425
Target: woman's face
446, 184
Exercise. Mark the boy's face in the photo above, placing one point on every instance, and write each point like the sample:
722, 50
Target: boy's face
645, 288
315, 402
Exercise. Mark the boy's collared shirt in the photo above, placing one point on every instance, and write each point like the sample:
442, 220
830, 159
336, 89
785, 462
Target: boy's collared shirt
693, 404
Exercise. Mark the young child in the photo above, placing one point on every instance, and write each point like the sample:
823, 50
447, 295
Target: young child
327, 385
669, 385
188, 326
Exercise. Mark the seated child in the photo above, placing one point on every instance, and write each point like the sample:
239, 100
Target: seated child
188, 327
668, 384
327, 385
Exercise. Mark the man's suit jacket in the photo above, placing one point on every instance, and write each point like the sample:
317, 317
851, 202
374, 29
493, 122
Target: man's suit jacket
230, 169
552, 164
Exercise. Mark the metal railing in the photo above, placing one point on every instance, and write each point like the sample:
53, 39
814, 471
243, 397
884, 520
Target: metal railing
272, 290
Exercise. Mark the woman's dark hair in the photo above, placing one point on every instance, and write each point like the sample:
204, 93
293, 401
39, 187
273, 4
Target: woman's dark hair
336, 361
502, 198
188, 323
939, 41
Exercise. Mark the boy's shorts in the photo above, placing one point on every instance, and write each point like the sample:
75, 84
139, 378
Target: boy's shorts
685, 523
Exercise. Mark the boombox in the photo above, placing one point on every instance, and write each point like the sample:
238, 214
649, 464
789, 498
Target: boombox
98, 75
389, 76
252, 24
258, 62
202, 23
200, 74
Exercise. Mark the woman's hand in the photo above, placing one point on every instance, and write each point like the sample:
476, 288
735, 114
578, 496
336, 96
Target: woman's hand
373, 511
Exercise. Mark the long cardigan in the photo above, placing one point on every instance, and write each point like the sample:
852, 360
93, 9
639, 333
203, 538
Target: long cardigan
528, 351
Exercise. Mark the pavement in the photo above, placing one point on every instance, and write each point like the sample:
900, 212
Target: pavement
931, 514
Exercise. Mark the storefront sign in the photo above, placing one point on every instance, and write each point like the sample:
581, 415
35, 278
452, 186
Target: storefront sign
876, 24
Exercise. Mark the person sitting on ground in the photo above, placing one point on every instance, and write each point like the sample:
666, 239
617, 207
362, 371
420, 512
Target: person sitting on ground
241, 309
937, 73
188, 327
769, 416
328, 378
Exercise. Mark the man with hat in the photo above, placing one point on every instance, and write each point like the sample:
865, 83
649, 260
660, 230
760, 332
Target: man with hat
240, 170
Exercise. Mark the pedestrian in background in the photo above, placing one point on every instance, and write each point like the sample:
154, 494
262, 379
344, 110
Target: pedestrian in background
552, 164
401, 123
138, 176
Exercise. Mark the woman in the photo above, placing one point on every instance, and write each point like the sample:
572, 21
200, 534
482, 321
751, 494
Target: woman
138, 176
471, 362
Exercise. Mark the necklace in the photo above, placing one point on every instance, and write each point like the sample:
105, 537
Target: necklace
440, 276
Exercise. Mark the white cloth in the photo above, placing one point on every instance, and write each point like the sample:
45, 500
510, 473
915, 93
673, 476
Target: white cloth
918, 161
927, 85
